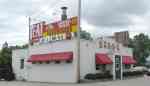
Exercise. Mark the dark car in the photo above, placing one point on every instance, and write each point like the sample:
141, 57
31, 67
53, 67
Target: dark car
6, 73
148, 73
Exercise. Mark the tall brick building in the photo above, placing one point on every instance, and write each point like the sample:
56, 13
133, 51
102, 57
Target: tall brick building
122, 37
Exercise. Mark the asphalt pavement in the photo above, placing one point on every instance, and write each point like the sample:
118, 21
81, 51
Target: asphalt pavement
136, 81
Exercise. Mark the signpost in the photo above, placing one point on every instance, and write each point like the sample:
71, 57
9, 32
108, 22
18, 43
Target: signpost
78, 39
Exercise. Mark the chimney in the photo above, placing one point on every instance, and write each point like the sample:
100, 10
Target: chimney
64, 13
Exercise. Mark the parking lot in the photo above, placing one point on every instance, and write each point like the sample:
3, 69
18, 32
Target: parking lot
138, 81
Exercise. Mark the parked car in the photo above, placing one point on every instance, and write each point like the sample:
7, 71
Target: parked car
6, 73
139, 68
148, 72
133, 73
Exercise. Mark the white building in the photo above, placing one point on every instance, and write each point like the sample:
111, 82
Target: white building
57, 61
109, 46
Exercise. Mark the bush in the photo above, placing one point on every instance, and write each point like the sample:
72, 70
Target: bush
90, 76
106, 75
133, 73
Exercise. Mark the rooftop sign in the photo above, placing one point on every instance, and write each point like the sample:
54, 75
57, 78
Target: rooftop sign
61, 30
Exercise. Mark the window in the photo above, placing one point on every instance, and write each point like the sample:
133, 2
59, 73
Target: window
100, 44
40, 62
127, 66
97, 67
117, 65
118, 47
109, 46
113, 46
101, 67
33, 62
105, 44
47, 62
68, 61
22, 64
57, 62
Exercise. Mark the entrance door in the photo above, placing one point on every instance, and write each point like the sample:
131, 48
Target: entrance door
118, 67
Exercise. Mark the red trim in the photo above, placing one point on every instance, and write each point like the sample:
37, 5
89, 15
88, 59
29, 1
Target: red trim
103, 59
59, 56
128, 60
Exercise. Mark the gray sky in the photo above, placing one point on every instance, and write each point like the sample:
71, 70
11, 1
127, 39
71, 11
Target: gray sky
100, 17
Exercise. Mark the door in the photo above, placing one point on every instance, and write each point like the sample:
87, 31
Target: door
118, 67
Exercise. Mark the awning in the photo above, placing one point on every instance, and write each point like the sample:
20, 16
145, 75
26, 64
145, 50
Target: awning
103, 59
59, 56
128, 60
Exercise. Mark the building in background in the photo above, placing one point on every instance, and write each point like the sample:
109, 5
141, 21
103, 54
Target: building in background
122, 37
108, 45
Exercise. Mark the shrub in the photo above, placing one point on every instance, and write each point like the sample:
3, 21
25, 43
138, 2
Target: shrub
90, 76
103, 76
133, 73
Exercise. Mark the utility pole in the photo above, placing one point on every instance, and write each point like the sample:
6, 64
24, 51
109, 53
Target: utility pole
29, 22
78, 41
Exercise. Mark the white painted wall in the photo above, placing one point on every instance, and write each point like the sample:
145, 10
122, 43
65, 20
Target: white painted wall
52, 73
64, 72
126, 51
87, 59
17, 55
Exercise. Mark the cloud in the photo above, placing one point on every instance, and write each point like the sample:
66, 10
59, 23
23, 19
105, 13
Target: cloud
100, 17
112, 13
13, 21
14, 16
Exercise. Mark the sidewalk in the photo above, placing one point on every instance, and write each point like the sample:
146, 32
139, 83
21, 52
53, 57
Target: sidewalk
138, 81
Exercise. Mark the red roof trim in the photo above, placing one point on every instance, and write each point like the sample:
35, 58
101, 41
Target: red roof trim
128, 60
103, 59
58, 56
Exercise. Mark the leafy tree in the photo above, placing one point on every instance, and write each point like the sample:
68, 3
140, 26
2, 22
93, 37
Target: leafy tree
6, 53
19, 47
5, 56
141, 47
25, 46
85, 35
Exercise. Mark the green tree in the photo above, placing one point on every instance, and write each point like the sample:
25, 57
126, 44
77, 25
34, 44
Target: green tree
5, 56
19, 47
85, 35
141, 47
6, 53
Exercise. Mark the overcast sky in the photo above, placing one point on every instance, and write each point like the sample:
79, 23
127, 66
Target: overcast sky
100, 17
